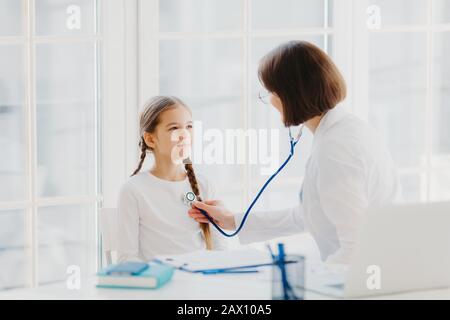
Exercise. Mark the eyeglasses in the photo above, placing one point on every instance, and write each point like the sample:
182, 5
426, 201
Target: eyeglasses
264, 96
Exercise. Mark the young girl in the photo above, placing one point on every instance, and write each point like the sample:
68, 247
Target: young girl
152, 213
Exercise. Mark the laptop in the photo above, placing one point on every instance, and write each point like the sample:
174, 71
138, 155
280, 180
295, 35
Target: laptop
401, 248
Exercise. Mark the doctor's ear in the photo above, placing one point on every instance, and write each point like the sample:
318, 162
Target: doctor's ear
149, 140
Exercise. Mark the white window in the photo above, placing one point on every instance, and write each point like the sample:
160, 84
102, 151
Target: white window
401, 63
49, 98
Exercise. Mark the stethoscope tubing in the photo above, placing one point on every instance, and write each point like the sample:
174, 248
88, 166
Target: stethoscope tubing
293, 142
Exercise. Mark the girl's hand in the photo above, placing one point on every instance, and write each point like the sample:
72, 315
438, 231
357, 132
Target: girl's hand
216, 209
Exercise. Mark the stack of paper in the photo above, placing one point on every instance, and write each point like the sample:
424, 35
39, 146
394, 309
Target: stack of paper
200, 261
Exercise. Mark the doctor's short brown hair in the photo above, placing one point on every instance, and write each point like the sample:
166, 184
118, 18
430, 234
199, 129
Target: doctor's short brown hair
305, 79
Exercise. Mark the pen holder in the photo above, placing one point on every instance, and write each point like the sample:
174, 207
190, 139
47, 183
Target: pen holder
289, 284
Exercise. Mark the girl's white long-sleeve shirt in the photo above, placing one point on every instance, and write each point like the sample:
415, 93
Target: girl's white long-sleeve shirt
153, 219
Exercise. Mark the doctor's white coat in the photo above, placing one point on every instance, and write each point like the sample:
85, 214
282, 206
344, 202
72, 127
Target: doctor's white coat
349, 170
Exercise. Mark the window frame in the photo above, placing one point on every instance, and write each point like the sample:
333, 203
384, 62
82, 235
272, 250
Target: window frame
360, 82
109, 11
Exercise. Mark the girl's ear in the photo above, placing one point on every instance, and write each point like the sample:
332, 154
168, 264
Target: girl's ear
149, 140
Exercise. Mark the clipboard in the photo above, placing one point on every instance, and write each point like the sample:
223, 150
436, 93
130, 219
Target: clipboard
218, 261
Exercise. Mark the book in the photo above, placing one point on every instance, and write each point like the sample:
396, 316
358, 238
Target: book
127, 268
152, 277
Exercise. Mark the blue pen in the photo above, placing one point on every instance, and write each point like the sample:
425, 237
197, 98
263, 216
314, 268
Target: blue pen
287, 289
283, 270
207, 272
271, 253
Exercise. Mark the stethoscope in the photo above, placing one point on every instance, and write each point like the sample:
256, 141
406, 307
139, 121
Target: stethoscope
190, 196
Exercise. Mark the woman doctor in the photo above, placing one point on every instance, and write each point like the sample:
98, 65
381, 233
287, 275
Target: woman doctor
349, 168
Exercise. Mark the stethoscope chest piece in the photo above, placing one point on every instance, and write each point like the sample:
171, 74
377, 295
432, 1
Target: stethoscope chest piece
189, 197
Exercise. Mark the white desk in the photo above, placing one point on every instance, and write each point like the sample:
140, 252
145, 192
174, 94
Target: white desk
185, 286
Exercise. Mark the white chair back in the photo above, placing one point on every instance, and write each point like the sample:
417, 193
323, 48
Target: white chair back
108, 231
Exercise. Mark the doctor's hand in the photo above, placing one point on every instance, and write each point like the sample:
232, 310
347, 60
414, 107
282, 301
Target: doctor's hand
216, 209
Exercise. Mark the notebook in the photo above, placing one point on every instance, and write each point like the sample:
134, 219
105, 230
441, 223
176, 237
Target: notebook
127, 268
153, 277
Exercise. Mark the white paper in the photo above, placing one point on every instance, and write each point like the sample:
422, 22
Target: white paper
206, 260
